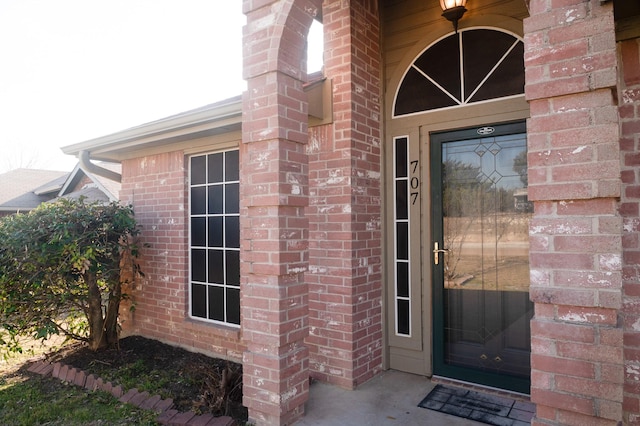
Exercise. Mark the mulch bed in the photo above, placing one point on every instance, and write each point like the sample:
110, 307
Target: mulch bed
194, 381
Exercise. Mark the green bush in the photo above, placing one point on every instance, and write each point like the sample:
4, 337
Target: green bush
62, 267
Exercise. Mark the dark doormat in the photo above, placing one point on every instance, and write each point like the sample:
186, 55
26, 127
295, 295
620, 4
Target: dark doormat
489, 409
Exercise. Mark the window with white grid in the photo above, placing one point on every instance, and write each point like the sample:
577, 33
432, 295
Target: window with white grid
214, 195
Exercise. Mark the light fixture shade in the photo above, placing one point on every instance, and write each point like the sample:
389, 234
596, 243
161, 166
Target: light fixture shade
450, 4
453, 10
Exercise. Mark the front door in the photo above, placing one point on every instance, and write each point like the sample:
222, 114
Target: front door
479, 255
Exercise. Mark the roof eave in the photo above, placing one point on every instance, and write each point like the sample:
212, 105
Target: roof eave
219, 116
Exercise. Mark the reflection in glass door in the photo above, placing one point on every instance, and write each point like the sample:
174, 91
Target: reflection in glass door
480, 256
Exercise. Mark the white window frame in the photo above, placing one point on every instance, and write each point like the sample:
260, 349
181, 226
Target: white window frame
224, 285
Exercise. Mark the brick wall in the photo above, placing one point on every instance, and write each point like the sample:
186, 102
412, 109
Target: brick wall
629, 107
156, 187
344, 275
274, 195
84, 181
574, 181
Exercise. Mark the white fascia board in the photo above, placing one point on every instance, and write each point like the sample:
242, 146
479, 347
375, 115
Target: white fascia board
211, 117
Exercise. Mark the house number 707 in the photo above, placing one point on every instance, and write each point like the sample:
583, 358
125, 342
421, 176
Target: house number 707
415, 182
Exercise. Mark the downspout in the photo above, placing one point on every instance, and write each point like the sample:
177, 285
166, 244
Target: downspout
88, 167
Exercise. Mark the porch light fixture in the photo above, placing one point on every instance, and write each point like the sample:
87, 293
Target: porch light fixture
453, 11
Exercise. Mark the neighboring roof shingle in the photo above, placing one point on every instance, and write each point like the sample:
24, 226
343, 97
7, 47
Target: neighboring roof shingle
51, 187
19, 188
91, 193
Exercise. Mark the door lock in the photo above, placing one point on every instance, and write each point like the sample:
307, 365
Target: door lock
436, 252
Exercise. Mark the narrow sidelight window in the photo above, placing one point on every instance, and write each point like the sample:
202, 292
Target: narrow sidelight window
401, 249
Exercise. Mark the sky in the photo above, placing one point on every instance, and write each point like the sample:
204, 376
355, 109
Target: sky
74, 70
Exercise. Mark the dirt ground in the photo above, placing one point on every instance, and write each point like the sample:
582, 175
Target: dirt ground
194, 381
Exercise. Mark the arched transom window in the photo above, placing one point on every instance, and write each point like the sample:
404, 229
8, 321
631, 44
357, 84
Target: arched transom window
474, 65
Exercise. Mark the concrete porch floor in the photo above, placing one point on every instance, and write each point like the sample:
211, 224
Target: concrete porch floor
391, 398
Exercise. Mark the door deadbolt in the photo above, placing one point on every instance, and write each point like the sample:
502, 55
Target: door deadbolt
436, 252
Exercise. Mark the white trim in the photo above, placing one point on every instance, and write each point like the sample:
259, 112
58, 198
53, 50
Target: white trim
222, 116
66, 188
487, 101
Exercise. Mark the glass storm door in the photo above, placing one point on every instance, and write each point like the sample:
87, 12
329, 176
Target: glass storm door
480, 256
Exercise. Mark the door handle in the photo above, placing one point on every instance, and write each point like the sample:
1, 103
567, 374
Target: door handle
436, 252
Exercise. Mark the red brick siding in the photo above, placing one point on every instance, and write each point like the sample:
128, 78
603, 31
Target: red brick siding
156, 187
274, 194
84, 181
629, 109
344, 277
576, 245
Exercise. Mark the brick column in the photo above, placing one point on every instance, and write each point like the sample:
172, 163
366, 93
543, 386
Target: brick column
345, 238
274, 229
575, 235
630, 210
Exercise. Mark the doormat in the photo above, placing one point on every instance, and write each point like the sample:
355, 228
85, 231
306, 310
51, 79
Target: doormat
481, 407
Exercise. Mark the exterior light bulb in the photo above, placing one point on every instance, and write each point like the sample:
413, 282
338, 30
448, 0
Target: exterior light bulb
453, 10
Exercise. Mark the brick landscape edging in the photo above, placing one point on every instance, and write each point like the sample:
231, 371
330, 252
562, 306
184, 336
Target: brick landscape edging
164, 407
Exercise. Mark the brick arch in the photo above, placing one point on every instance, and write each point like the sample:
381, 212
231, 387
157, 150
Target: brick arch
274, 194
278, 31
291, 42
274, 54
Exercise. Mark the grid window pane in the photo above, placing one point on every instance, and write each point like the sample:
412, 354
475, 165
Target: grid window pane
232, 231
198, 265
232, 198
232, 166
215, 168
216, 266
198, 231
198, 170
199, 300
215, 237
233, 305
216, 201
233, 267
198, 200
216, 303
216, 231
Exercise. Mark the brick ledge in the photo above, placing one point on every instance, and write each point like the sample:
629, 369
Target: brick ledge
164, 407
